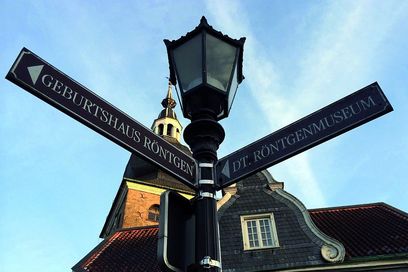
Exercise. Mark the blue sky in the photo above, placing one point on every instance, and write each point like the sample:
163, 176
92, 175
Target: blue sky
58, 178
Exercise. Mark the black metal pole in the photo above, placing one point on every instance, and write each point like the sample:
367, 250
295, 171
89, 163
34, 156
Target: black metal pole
204, 135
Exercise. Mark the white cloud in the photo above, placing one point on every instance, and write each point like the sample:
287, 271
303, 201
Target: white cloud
343, 49
338, 55
265, 84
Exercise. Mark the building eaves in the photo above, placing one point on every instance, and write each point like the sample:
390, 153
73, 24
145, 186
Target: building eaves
114, 205
368, 230
132, 249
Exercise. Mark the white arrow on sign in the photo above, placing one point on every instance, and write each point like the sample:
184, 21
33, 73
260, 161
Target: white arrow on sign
34, 72
225, 171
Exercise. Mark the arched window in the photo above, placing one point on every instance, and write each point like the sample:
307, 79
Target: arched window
169, 129
161, 127
154, 213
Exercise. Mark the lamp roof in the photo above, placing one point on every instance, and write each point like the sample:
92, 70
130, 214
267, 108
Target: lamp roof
204, 26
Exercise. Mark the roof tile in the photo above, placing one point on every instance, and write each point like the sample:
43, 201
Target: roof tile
365, 230
126, 250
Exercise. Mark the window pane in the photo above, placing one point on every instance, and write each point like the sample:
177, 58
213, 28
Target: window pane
188, 58
234, 87
266, 235
154, 213
252, 234
220, 58
151, 216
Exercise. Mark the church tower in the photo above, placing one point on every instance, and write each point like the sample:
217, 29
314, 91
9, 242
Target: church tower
137, 201
167, 125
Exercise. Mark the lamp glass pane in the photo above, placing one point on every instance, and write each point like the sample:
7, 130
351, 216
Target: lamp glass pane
220, 58
233, 89
188, 59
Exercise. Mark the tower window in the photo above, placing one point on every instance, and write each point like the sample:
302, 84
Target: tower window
161, 127
259, 231
154, 213
169, 129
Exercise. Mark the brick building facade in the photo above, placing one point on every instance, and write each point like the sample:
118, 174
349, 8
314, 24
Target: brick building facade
137, 201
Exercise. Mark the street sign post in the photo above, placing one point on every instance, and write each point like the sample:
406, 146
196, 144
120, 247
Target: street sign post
339, 117
180, 219
46, 82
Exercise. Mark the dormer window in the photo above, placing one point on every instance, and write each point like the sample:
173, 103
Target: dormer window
259, 231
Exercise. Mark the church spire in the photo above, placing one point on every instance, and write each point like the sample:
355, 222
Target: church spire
169, 102
167, 125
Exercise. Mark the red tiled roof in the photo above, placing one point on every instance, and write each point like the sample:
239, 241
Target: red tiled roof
131, 249
365, 230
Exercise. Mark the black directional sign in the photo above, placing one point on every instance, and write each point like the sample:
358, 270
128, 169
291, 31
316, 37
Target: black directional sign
318, 127
46, 82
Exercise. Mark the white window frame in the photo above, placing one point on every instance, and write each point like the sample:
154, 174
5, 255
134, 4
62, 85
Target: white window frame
257, 218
